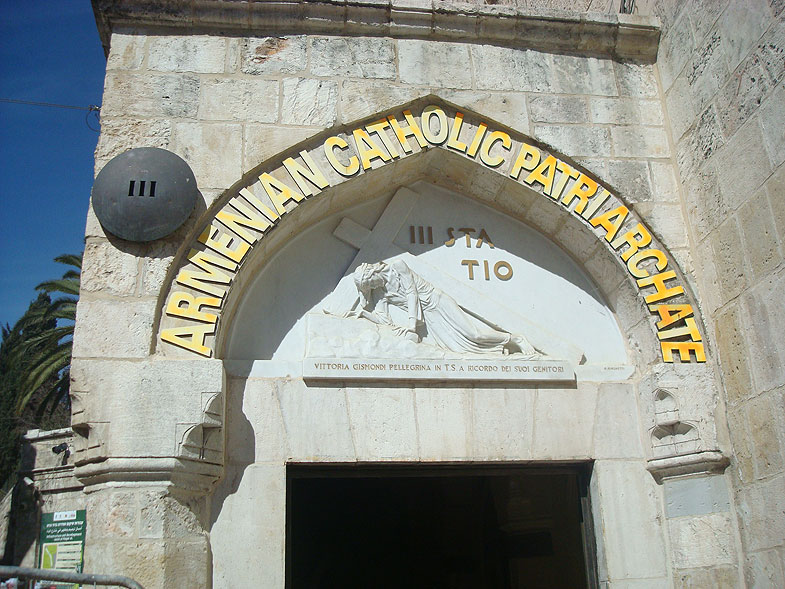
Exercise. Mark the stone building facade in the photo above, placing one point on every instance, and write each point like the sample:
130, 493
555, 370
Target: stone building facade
607, 186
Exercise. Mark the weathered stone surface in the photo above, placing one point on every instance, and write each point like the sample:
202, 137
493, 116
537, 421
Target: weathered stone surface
158, 257
733, 353
765, 569
109, 269
703, 16
743, 165
383, 423
703, 187
616, 434
121, 134
763, 308
307, 101
506, 108
496, 68
756, 506
261, 142
360, 98
502, 423
635, 79
162, 516
563, 430
702, 541
316, 421
675, 50
760, 237
693, 496
718, 577
625, 111
258, 433
558, 109
113, 329
576, 140
742, 95
774, 127
426, 63
766, 425
225, 99
583, 75
666, 221
663, 182
630, 178
742, 24
150, 95
640, 142
443, 423
680, 110
776, 188
250, 503
273, 55
729, 259
197, 54
707, 71
127, 52
633, 534
355, 57
199, 144
699, 143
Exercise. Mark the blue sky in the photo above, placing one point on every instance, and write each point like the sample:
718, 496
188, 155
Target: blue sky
49, 52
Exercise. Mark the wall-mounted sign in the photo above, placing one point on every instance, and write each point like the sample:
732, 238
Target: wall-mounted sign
197, 296
144, 194
61, 545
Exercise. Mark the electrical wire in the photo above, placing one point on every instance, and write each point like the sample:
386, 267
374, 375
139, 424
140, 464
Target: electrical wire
91, 110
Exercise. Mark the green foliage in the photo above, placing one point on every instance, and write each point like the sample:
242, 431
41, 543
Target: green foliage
35, 355
47, 339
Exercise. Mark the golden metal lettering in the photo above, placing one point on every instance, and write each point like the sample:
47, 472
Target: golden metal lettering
368, 149
305, 176
207, 280
427, 114
478, 135
195, 342
280, 194
379, 128
494, 161
636, 239
329, 151
412, 131
611, 221
583, 189
223, 243
182, 304
633, 264
528, 158
452, 140
658, 282
470, 264
497, 270
684, 349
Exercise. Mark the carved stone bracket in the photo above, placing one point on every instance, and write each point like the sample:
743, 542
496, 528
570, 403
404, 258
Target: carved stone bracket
705, 463
677, 445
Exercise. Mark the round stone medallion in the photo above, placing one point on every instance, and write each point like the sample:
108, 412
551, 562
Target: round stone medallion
144, 194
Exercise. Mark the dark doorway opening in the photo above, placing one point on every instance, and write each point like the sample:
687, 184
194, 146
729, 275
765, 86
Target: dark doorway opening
438, 527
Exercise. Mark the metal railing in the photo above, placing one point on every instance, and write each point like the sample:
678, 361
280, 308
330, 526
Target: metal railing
68, 577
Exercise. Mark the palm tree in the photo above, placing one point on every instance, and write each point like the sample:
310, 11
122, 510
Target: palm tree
47, 339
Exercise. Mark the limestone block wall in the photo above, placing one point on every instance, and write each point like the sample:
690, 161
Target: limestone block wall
226, 104
721, 64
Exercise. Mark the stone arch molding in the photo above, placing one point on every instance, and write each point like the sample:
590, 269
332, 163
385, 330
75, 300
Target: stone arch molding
452, 146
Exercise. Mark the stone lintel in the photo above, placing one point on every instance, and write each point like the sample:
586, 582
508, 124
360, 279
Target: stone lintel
702, 463
620, 36
183, 476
